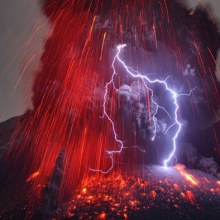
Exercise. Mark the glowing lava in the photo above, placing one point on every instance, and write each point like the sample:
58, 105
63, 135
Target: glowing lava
190, 178
118, 195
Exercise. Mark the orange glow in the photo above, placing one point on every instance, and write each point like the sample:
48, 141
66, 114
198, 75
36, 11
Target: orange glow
102, 216
190, 196
190, 178
84, 190
103, 42
183, 195
33, 176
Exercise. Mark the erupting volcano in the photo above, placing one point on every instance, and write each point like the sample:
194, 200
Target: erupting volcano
126, 92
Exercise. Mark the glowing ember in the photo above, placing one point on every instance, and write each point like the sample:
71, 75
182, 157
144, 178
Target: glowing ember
190, 196
33, 176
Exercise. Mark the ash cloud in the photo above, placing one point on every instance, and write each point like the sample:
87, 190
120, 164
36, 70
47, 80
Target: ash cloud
134, 96
190, 156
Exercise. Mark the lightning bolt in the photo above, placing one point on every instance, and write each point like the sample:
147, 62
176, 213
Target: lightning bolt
145, 79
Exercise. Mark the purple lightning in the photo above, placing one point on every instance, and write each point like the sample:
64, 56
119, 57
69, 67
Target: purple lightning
145, 79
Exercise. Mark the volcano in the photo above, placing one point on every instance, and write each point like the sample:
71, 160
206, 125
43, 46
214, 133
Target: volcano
125, 118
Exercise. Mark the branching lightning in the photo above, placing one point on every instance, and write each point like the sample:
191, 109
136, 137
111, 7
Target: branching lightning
146, 80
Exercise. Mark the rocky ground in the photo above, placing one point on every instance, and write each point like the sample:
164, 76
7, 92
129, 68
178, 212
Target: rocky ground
152, 192
160, 193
